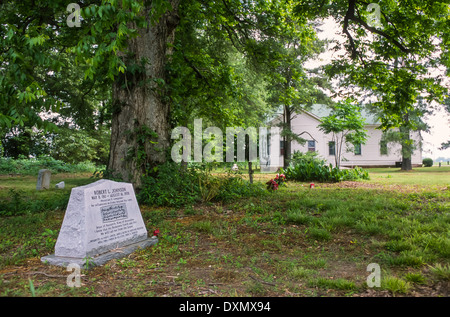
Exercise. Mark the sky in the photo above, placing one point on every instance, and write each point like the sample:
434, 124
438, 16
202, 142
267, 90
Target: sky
439, 121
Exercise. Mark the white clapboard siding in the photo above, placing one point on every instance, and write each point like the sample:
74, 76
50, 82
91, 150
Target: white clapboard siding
306, 125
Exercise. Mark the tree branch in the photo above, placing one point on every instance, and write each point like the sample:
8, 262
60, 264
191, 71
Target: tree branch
350, 15
383, 34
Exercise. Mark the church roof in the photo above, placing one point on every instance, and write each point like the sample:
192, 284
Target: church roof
320, 111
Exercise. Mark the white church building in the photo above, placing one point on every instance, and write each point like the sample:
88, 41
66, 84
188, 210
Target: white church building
373, 153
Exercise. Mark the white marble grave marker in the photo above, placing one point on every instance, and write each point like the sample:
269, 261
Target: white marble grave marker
102, 222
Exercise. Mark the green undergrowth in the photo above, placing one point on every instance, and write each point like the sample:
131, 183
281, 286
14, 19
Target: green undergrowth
24, 166
176, 186
294, 241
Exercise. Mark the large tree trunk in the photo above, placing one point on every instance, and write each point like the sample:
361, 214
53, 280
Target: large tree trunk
140, 132
406, 164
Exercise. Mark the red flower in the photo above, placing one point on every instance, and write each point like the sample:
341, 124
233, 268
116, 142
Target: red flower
156, 232
273, 185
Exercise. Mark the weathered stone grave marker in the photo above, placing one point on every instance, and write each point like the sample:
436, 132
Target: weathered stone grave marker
43, 181
60, 185
102, 222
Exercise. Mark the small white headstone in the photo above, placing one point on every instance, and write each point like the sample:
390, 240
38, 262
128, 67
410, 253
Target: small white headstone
60, 185
43, 181
235, 167
102, 222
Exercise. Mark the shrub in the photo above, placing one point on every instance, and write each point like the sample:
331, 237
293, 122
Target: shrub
299, 157
24, 166
74, 146
427, 162
172, 185
234, 187
316, 170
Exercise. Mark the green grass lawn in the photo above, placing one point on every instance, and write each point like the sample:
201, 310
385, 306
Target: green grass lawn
295, 241
429, 176
18, 194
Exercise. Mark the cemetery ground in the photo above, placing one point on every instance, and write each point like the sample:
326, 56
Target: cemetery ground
295, 241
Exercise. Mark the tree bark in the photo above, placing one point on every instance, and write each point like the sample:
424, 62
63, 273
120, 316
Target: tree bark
406, 152
336, 150
406, 164
287, 138
140, 132
406, 145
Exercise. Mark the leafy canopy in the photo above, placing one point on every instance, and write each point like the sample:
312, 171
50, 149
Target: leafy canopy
402, 57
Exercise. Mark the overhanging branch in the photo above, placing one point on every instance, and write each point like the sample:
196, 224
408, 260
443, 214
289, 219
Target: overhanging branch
350, 15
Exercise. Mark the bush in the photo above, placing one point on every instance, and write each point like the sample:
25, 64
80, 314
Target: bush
68, 145
316, 170
172, 185
427, 162
74, 146
234, 187
308, 157
24, 166
169, 185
